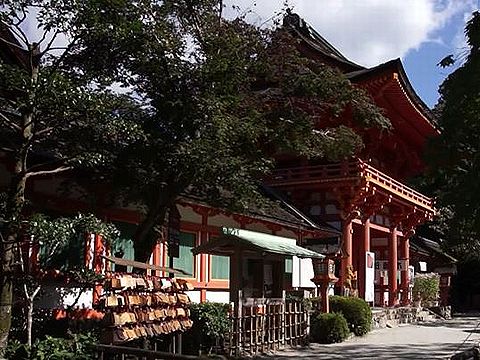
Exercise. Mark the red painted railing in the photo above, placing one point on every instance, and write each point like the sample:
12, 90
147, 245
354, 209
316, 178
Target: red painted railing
350, 170
385, 181
316, 172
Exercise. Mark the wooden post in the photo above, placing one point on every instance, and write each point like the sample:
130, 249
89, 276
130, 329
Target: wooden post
364, 248
392, 267
204, 269
404, 285
98, 264
347, 231
236, 268
156, 257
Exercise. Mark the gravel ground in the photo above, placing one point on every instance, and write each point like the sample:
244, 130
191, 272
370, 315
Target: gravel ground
433, 340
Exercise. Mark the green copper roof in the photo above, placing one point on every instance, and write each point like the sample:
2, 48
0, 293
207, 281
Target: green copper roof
232, 239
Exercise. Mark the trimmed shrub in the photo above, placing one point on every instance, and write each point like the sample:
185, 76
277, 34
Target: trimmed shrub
211, 325
356, 311
328, 328
426, 287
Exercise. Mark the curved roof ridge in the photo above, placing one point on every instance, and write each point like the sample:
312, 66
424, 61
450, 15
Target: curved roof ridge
397, 66
307, 33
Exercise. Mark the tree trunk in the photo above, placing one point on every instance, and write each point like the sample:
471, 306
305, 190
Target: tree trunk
6, 297
29, 321
15, 205
16, 202
145, 238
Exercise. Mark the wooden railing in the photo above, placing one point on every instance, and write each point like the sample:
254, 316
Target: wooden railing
267, 327
349, 170
385, 181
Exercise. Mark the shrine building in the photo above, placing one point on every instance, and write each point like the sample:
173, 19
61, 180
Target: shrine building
366, 197
354, 210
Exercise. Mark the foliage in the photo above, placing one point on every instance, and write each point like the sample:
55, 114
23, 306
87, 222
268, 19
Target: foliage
58, 237
221, 99
453, 156
356, 311
210, 326
205, 104
54, 116
78, 347
426, 287
328, 328
60, 241
465, 285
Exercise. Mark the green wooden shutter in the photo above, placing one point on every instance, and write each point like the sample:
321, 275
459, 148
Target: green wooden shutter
220, 267
185, 261
288, 264
124, 243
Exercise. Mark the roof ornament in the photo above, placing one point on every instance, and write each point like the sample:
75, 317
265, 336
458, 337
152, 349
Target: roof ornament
294, 20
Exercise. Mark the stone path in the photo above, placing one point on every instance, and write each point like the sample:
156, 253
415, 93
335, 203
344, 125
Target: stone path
433, 340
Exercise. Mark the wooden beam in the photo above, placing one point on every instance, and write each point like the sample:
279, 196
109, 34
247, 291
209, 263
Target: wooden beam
140, 265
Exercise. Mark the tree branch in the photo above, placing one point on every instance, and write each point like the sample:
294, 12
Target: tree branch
7, 149
51, 253
10, 122
50, 43
22, 19
44, 131
35, 292
49, 172
57, 63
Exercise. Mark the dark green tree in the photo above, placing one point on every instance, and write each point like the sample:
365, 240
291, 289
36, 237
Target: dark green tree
208, 105
53, 117
222, 98
454, 156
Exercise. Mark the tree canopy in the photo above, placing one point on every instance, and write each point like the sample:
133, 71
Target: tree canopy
158, 98
454, 156
221, 98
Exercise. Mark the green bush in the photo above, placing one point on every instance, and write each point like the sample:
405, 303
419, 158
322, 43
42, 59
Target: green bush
79, 347
328, 328
356, 311
211, 325
426, 287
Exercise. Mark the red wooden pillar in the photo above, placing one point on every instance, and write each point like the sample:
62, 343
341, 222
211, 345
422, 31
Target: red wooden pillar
364, 247
156, 257
404, 284
392, 267
203, 259
98, 251
347, 232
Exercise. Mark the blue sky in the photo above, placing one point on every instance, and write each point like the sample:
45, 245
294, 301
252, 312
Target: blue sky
369, 32
421, 64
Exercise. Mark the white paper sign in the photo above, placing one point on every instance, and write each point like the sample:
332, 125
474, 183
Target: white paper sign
302, 273
369, 276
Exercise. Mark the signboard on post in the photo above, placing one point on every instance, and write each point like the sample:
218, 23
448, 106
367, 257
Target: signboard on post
369, 276
174, 232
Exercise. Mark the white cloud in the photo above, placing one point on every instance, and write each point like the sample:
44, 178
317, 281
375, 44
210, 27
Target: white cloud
368, 32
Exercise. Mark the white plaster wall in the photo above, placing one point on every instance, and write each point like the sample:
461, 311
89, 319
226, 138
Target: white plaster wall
194, 296
57, 297
218, 296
